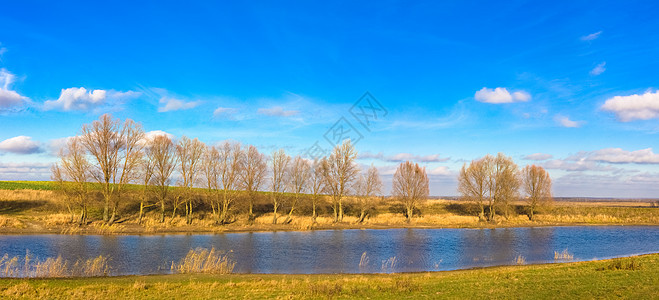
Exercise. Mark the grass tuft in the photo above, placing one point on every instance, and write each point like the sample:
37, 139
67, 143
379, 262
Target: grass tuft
202, 260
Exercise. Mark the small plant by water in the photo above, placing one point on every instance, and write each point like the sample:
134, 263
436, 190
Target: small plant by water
363, 262
520, 260
388, 265
30, 267
202, 260
564, 255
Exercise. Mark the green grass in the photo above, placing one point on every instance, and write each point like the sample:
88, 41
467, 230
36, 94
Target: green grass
27, 185
599, 279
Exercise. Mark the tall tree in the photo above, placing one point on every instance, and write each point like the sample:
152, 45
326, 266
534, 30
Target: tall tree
145, 170
230, 164
115, 148
537, 186
189, 154
410, 185
503, 183
72, 176
280, 161
473, 183
339, 172
211, 170
316, 187
254, 167
299, 175
366, 188
161, 152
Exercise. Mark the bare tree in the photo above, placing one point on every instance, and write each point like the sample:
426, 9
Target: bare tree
114, 148
280, 163
410, 185
339, 171
299, 174
537, 186
72, 175
316, 186
366, 189
230, 164
473, 183
146, 174
161, 152
503, 183
189, 154
254, 167
211, 170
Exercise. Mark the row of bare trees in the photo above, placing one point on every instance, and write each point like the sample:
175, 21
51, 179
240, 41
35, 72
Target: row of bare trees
494, 182
114, 154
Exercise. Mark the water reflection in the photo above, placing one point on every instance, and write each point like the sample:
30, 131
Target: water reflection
340, 251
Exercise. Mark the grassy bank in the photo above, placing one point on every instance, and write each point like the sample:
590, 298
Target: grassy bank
635, 278
34, 207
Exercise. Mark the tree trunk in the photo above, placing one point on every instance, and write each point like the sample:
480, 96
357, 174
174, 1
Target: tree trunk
106, 208
313, 213
250, 217
139, 217
162, 210
410, 211
481, 215
274, 217
362, 216
341, 214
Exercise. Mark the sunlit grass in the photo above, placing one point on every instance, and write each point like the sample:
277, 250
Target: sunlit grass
202, 260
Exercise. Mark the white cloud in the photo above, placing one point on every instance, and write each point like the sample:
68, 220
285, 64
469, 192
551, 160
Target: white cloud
401, 157
8, 98
538, 156
440, 171
223, 111
566, 122
20, 145
77, 99
149, 136
591, 36
277, 111
25, 171
619, 156
634, 107
172, 104
581, 165
599, 69
500, 95
81, 99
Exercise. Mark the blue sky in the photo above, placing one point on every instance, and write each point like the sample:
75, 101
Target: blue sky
571, 86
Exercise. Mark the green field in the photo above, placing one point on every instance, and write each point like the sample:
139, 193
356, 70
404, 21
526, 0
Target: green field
635, 278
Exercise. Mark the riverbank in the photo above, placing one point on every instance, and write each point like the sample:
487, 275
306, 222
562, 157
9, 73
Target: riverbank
633, 277
28, 211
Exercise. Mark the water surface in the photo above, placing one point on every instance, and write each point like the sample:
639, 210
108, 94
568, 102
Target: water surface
340, 251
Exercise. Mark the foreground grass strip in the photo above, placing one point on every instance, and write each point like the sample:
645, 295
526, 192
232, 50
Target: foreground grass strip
599, 279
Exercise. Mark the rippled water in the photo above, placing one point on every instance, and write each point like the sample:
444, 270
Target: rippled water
340, 251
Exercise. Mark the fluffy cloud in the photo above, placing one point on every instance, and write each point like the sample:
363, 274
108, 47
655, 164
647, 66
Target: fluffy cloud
440, 171
599, 69
81, 99
538, 156
77, 99
24, 171
581, 165
149, 136
401, 157
277, 111
634, 107
618, 156
20, 145
223, 111
566, 122
8, 98
501, 95
592, 36
172, 104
